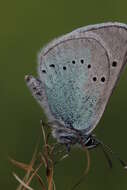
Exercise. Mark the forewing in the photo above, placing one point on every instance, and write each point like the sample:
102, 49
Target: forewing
76, 72
80, 71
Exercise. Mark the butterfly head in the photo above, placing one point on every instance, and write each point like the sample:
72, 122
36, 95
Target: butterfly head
70, 136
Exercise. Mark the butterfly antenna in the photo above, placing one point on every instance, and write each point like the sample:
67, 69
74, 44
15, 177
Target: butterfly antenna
107, 157
108, 149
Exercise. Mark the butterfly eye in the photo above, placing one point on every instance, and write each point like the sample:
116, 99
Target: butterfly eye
103, 79
114, 63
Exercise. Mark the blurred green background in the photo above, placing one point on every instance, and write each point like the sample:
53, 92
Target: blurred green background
25, 27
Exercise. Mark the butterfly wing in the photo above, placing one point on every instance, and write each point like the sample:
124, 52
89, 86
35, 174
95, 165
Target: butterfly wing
75, 71
79, 72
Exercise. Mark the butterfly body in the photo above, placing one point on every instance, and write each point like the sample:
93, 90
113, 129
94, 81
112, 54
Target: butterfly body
77, 74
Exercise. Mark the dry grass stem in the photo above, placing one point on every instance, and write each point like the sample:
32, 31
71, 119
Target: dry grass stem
47, 160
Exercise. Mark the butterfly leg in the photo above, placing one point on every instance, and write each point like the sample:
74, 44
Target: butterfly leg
68, 147
36, 88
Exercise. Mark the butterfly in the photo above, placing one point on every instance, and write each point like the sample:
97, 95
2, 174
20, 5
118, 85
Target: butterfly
77, 74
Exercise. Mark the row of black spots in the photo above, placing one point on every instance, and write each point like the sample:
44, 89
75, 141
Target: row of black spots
102, 79
114, 64
64, 67
82, 61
